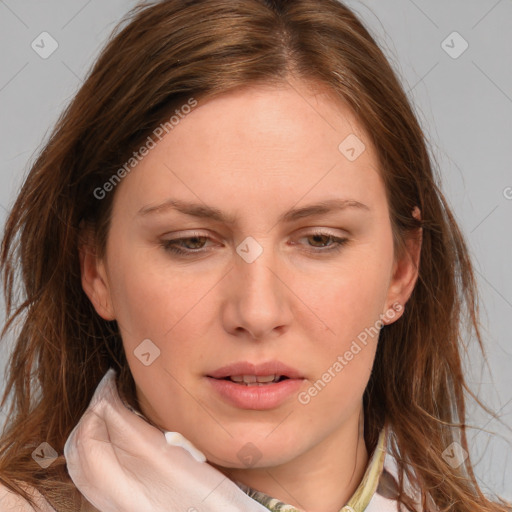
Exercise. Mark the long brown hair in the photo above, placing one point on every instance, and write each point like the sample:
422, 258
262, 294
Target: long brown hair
158, 57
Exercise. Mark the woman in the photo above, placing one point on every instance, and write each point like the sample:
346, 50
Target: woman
305, 355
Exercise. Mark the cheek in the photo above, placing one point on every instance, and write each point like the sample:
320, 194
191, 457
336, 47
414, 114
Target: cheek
349, 298
344, 354
160, 306
350, 307
148, 300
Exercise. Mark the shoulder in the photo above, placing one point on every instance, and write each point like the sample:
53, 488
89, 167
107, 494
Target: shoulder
11, 502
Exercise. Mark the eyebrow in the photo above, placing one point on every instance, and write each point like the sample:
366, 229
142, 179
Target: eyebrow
208, 212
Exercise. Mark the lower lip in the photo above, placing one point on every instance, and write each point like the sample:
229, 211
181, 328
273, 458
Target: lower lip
267, 396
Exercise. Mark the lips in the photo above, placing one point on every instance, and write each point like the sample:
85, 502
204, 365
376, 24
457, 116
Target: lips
246, 368
237, 384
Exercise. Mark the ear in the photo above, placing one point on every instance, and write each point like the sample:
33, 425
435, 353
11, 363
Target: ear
94, 276
404, 275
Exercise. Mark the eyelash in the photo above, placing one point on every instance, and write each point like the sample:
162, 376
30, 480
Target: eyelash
170, 245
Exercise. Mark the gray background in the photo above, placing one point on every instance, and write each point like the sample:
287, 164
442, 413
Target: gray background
463, 103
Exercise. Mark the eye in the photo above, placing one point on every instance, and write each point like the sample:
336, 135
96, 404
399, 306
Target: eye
338, 242
173, 245
194, 245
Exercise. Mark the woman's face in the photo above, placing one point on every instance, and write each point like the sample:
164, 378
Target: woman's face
268, 285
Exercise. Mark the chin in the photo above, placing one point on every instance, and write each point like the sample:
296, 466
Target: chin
249, 456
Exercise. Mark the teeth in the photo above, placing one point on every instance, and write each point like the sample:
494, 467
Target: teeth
266, 378
254, 380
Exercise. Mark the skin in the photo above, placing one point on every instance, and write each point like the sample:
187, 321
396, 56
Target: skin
255, 153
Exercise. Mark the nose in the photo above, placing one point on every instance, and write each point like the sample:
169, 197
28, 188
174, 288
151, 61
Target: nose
258, 305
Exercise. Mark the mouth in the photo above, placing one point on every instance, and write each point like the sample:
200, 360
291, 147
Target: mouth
254, 380
248, 373
246, 385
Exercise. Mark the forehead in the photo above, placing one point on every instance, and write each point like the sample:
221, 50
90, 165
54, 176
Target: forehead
289, 118
260, 145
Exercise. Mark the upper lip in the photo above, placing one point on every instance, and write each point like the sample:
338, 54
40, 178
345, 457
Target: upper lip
247, 368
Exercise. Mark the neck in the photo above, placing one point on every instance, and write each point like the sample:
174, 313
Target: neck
320, 480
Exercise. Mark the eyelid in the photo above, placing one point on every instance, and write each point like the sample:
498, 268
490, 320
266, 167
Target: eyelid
306, 231
337, 243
